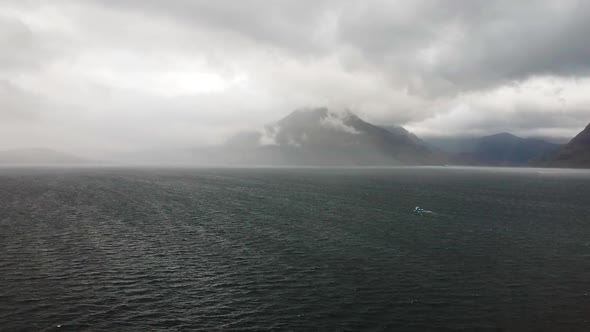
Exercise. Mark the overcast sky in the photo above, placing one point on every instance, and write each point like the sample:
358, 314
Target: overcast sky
100, 75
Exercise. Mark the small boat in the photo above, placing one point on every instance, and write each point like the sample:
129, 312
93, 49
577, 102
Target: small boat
421, 211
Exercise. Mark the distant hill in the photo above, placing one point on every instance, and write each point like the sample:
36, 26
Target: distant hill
574, 154
39, 156
322, 137
554, 139
452, 144
505, 149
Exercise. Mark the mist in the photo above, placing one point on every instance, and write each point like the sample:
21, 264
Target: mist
118, 80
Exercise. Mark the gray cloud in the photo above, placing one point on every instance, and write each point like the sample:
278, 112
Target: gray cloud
467, 43
133, 73
18, 105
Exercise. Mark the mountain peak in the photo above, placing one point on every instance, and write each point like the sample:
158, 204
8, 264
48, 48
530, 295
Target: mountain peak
306, 113
310, 115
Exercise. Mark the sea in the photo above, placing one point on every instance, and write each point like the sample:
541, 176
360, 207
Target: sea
294, 249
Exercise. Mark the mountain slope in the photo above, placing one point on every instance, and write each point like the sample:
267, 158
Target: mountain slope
323, 137
574, 154
505, 149
403, 132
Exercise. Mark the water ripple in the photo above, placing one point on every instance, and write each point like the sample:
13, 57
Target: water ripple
178, 250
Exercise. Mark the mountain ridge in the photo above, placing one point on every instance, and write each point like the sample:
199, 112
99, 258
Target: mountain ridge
506, 149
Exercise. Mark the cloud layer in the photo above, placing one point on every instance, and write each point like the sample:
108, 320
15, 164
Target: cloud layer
105, 75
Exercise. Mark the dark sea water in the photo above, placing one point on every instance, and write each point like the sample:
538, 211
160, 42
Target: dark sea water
294, 249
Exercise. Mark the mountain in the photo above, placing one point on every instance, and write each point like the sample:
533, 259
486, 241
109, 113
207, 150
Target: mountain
320, 136
505, 149
39, 156
574, 154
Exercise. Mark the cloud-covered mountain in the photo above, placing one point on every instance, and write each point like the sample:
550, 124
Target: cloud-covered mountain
576, 153
323, 137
